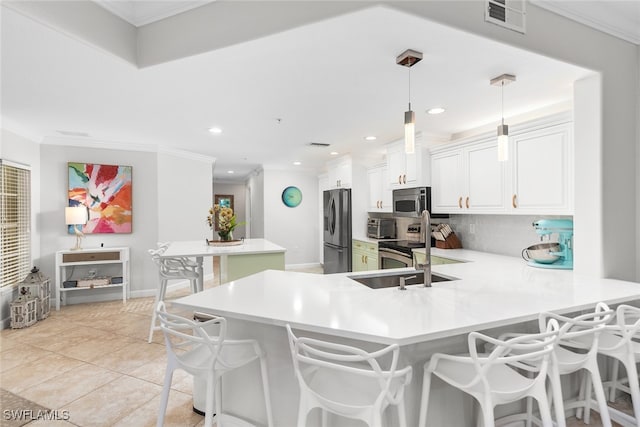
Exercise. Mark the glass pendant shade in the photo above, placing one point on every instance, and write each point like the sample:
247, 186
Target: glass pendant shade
503, 143
409, 132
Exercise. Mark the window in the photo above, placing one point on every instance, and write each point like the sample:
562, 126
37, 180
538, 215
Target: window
15, 222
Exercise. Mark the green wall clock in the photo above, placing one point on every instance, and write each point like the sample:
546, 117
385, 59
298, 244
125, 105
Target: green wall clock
291, 196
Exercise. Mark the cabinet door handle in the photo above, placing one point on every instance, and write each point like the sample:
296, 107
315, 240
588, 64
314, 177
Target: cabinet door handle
404, 179
460, 202
362, 258
467, 202
366, 259
514, 202
399, 179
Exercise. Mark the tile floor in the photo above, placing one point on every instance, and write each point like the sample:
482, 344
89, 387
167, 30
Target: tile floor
93, 362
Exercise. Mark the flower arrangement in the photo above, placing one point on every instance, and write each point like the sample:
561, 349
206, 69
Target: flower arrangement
226, 221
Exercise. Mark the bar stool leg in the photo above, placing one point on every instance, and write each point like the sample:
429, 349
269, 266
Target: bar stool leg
426, 388
614, 380
594, 372
162, 290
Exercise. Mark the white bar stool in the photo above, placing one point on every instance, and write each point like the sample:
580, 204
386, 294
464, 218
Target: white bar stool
192, 348
498, 377
347, 381
169, 269
575, 350
621, 342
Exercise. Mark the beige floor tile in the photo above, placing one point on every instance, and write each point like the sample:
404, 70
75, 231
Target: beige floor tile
50, 423
76, 383
38, 371
179, 413
92, 349
20, 355
111, 402
8, 344
131, 357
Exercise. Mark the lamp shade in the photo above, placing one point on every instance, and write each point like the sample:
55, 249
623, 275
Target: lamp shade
75, 215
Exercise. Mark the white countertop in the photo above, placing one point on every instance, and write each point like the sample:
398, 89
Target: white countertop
493, 291
200, 248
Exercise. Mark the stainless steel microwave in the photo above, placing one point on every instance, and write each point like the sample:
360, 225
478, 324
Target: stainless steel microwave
410, 202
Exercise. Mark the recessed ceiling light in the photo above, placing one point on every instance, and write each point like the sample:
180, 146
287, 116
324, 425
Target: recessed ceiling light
370, 138
230, 172
297, 163
215, 130
436, 110
334, 153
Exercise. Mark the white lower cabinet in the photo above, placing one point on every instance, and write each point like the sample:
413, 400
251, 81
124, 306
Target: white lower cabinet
537, 179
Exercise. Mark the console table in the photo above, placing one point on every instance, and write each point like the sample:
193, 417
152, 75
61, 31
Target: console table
95, 258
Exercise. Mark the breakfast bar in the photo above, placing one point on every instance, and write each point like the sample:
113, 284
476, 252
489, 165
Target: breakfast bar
487, 292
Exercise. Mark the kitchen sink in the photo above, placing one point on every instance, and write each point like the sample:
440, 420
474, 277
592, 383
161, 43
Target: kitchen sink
390, 280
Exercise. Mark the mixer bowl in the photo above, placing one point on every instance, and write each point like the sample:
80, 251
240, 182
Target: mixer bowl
543, 253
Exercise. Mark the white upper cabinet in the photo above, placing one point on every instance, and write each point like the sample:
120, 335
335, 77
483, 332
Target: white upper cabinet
340, 172
405, 170
537, 179
446, 181
468, 179
542, 171
379, 191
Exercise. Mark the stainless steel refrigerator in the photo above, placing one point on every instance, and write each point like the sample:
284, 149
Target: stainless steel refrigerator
337, 230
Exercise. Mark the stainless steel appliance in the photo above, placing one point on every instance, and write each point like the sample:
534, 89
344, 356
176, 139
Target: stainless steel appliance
396, 253
381, 228
337, 230
410, 202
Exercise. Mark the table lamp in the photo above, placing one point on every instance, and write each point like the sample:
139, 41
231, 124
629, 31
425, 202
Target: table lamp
76, 215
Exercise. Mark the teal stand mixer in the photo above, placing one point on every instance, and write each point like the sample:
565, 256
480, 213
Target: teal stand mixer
552, 255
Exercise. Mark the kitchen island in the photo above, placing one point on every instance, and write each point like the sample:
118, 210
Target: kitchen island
491, 291
236, 260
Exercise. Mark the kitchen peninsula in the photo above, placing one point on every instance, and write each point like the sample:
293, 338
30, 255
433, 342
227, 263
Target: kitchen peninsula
236, 261
491, 291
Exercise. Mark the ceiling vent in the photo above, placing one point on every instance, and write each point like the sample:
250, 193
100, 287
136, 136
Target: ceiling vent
510, 14
319, 144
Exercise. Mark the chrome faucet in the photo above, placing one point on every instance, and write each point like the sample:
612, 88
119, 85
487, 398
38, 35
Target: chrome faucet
426, 267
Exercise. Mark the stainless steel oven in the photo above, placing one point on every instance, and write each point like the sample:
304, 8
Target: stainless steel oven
397, 253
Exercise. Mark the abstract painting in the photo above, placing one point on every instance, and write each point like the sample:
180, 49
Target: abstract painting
106, 192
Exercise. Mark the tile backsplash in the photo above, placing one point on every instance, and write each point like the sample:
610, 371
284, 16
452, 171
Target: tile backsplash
498, 234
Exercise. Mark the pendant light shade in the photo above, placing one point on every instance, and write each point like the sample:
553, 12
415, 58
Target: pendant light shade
409, 131
503, 130
407, 59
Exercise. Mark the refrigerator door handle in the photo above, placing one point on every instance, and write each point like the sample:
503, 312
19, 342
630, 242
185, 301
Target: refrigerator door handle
332, 216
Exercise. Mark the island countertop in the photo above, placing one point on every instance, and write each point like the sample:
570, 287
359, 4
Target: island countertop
200, 248
491, 291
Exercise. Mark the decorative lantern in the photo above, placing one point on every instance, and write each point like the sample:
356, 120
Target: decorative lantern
38, 286
23, 311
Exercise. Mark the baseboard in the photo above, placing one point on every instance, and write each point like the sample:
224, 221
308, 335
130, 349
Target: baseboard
302, 266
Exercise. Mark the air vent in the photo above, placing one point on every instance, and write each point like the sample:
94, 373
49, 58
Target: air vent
506, 13
319, 144
72, 133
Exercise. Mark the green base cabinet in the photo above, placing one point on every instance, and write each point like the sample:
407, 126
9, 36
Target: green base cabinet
239, 266
419, 258
364, 256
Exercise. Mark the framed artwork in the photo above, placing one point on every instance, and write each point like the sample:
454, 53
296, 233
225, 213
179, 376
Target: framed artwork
105, 190
224, 201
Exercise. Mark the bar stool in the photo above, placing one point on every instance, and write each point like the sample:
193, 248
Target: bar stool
575, 350
347, 381
498, 377
192, 348
621, 342
182, 262
169, 269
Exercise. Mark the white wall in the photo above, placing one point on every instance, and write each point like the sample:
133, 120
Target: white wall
296, 229
239, 192
20, 149
54, 184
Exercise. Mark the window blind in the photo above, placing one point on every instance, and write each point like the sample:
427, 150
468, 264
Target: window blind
15, 222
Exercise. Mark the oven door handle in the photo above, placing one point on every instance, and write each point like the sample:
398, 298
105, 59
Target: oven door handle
393, 251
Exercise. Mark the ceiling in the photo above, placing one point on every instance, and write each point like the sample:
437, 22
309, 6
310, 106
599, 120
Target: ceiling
333, 82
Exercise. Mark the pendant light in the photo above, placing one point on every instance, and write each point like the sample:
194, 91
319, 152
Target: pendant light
407, 59
503, 130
